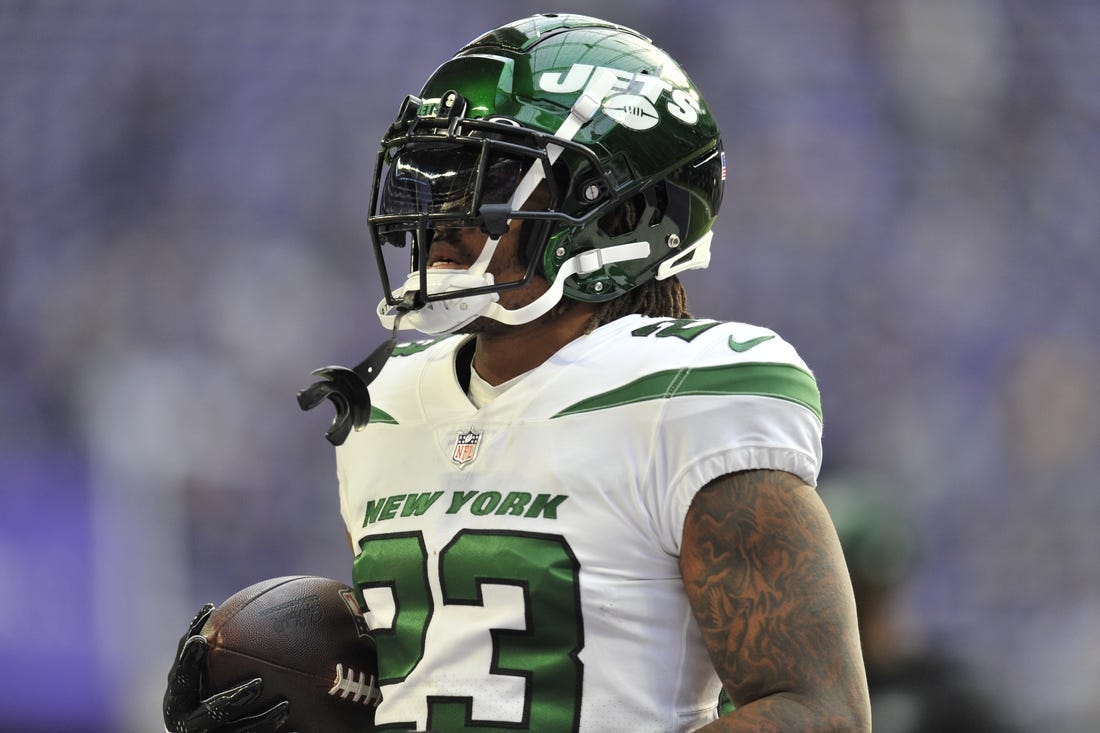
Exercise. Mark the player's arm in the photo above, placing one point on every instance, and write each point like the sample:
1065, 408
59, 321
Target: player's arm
770, 591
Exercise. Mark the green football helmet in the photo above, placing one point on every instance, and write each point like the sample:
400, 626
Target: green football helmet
582, 130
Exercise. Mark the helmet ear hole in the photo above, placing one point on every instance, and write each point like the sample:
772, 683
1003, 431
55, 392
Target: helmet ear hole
660, 195
626, 218
623, 219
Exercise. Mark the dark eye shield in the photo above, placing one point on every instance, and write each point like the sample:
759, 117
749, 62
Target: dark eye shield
443, 181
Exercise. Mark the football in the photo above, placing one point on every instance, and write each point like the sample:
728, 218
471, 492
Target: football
306, 637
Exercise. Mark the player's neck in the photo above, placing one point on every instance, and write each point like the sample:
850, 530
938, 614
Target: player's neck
503, 355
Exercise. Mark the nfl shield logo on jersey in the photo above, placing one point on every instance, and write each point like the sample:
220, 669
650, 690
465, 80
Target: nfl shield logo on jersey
466, 447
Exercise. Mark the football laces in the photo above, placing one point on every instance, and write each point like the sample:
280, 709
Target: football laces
357, 686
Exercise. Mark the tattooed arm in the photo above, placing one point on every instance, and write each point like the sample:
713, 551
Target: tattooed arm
767, 582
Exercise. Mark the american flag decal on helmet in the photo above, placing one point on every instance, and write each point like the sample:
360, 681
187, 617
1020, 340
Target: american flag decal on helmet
466, 447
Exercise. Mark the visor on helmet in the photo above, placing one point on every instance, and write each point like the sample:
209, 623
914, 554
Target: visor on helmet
443, 182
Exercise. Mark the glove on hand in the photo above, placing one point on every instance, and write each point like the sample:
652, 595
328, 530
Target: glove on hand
232, 711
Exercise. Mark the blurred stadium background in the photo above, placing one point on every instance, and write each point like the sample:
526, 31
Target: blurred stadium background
914, 201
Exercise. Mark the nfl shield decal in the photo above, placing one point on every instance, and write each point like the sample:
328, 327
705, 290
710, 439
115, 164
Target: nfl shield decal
466, 447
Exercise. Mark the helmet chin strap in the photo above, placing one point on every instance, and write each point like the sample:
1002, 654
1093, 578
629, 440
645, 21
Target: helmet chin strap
446, 316
580, 264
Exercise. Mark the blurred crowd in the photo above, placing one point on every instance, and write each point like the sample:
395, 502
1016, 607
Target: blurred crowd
913, 201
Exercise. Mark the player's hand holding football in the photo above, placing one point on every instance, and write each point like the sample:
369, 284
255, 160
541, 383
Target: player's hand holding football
188, 710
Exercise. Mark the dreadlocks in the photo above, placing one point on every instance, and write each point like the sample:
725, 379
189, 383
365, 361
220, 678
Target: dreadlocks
657, 298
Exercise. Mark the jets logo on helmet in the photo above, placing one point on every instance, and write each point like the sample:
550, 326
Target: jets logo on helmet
628, 98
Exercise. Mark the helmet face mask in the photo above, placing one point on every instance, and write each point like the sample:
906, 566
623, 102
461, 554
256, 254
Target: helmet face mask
625, 160
428, 188
449, 171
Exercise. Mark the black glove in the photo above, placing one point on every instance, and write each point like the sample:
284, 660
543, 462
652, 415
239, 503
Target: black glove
233, 711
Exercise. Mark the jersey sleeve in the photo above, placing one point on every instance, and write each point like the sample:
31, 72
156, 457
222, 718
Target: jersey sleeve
731, 410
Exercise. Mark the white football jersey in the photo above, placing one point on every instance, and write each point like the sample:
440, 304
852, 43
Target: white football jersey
519, 563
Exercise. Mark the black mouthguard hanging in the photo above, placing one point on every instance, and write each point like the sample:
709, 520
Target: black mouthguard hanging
347, 390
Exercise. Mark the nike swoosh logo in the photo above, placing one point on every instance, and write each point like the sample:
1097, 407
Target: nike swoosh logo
741, 346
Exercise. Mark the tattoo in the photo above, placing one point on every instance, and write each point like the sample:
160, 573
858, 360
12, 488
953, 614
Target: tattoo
767, 582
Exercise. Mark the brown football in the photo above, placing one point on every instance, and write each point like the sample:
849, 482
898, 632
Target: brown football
306, 638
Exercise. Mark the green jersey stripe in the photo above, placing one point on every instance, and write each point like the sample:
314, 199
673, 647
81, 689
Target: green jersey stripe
782, 381
381, 416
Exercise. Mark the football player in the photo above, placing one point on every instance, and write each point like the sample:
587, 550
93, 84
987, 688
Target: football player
575, 507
